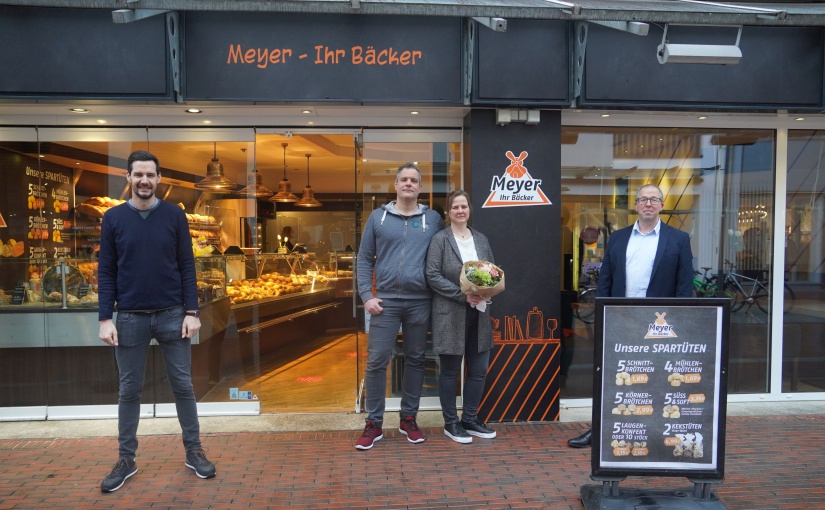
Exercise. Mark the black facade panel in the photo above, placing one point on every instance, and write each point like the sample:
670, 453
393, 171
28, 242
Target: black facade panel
780, 68
529, 63
319, 57
81, 53
522, 382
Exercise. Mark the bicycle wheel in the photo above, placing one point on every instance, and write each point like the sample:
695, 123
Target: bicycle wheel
737, 297
789, 299
587, 306
763, 299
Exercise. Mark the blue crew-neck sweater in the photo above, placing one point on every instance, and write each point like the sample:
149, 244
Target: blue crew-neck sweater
145, 264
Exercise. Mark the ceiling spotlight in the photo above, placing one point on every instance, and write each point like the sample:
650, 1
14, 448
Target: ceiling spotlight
800, 118
414, 112
306, 112
605, 115
193, 110
78, 110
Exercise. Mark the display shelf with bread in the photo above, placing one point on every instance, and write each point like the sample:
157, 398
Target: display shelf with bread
261, 277
95, 207
204, 228
72, 283
57, 300
48, 283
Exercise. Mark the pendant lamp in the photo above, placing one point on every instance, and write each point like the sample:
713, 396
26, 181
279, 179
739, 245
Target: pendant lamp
284, 187
254, 188
215, 180
308, 198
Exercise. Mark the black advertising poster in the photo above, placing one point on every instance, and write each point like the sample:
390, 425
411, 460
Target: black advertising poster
36, 213
320, 57
662, 390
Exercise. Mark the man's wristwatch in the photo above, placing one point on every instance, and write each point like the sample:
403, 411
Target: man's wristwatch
196, 313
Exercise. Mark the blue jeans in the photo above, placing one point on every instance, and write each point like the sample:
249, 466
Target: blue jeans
413, 315
134, 332
477, 363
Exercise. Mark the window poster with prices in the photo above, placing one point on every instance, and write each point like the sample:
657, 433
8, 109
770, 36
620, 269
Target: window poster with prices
661, 387
36, 214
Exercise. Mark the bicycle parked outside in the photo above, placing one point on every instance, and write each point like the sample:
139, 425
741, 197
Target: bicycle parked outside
585, 308
742, 290
747, 290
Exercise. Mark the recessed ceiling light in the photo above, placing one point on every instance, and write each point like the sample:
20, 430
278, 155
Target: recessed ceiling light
193, 110
78, 110
42, 155
306, 112
701, 117
310, 123
101, 121
605, 115
800, 118
414, 112
207, 121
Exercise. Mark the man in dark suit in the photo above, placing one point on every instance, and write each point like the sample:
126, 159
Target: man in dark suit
646, 259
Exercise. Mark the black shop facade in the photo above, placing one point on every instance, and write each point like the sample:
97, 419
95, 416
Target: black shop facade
551, 149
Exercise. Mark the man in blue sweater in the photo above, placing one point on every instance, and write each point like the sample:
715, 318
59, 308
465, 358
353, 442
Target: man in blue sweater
146, 266
393, 249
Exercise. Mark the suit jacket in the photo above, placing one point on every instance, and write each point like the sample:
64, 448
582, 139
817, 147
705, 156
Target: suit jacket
672, 274
449, 303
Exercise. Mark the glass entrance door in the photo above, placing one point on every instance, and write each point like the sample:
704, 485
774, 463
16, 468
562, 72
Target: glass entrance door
438, 156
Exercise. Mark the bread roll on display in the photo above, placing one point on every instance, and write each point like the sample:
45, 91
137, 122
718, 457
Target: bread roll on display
95, 207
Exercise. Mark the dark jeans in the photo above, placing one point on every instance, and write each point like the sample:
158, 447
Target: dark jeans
134, 331
477, 363
413, 315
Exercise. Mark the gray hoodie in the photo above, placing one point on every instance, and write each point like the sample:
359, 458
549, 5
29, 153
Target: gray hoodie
395, 247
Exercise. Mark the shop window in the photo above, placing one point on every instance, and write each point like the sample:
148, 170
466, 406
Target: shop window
719, 188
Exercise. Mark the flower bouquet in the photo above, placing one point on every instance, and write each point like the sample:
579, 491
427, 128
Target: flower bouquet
482, 278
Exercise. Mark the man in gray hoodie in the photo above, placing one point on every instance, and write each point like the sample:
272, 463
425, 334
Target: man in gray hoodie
393, 249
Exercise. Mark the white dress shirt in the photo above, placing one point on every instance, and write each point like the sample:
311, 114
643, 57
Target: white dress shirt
641, 251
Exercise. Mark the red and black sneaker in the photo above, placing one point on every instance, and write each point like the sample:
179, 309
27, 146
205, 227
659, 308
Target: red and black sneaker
372, 433
410, 429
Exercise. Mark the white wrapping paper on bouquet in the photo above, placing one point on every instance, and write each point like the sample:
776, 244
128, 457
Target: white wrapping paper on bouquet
485, 291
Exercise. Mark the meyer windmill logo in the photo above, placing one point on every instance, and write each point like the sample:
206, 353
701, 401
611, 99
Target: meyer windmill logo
516, 187
660, 328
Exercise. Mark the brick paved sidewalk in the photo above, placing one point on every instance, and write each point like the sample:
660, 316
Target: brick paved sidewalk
772, 462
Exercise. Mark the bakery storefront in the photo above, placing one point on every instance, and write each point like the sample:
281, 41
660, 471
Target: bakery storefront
275, 269
277, 134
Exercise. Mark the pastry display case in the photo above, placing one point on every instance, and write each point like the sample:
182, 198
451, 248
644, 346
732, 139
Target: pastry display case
260, 277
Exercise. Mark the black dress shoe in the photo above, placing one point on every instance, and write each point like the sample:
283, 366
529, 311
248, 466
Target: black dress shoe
582, 441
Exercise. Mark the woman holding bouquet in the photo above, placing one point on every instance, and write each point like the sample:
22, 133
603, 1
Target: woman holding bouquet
460, 322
